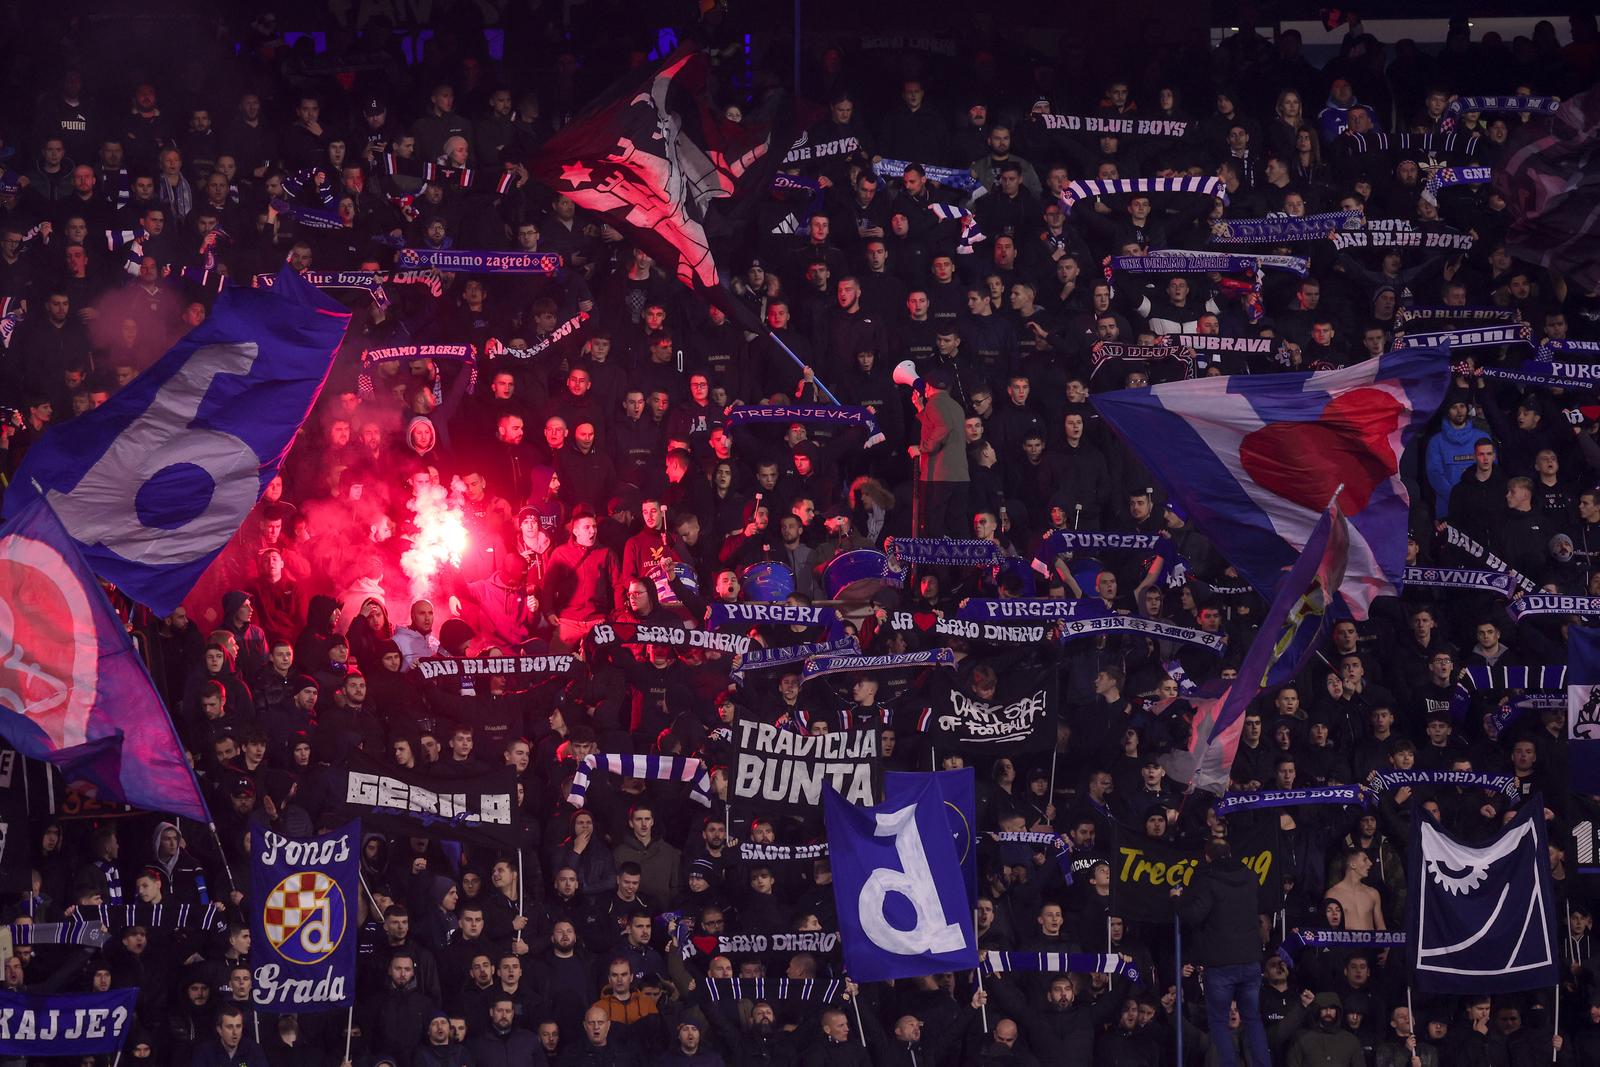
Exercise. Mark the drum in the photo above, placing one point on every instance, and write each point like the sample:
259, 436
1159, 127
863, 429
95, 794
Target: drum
766, 581
859, 575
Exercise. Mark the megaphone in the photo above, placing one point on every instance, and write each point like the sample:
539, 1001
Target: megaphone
905, 373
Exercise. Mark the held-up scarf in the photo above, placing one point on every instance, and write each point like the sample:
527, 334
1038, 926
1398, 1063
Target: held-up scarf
312, 218
968, 551
1292, 264
1408, 237
316, 178
609, 633
494, 348
1153, 628
1488, 558
458, 261
1539, 380
1118, 127
1299, 939
1443, 177
1386, 781
1516, 333
766, 658
1057, 963
970, 234
949, 177
1458, 578
1567, 375
1554, 604
1105, 352
1185, 263
1286, 798
1446, 313
1284, 229
1526, 105
1076, 191
1551, 349
792, 990
808, 413
465, 354
1550, 678
72, 932
8, 326
762, 613
821, 666
1061, 542
155, 916
648, 768
359, 280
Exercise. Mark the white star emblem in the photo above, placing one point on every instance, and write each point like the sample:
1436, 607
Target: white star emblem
575, 174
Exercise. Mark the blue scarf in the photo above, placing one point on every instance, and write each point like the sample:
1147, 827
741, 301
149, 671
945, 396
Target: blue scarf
807, 413
1477, 551
1551, 349
466, 354
1185, 263
1458, 578
1289, 951
762, 613
1292, 264
1564, 374
312, 218
1443, 177
1445, 312
647, 768
1058, 963
1391, 780
1076, 191
1036, 609
1115, 125
1553, 604
493, 348
909, 551
1516, 333
1153, 628
949, 177
821, 666
1284, 229
1525, 105
1286, 798
466, 262
766, 658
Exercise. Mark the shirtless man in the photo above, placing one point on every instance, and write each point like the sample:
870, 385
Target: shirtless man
1363, 908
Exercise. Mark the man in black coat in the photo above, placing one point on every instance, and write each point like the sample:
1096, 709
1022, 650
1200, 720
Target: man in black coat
1220, 904
504, 1044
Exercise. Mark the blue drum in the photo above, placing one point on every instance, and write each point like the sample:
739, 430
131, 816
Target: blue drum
860, 575
766, 581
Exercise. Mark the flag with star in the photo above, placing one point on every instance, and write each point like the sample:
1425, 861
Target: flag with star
655, 161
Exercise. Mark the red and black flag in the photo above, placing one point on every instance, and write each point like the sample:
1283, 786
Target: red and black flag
652, 157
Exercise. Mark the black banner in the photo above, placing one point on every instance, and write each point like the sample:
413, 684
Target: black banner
1144, 872
477, 811
773, 950
1021, 717
753, 854
783, 770
672, 636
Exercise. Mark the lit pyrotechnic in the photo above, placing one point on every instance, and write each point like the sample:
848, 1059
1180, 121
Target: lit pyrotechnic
441, 536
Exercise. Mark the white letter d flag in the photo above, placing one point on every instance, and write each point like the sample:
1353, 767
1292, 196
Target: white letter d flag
899, 887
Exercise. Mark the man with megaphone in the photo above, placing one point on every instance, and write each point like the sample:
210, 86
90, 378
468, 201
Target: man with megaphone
940, 452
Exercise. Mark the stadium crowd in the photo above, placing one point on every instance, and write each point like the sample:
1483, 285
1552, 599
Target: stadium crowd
598, 480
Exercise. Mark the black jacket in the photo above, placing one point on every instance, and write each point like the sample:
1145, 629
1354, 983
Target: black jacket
1220, 904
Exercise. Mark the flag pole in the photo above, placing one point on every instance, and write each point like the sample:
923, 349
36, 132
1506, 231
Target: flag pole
519, 891
786, 350
349, 1024
1177, 983
983, 1009
222, 854
1555, 1026
861, 1030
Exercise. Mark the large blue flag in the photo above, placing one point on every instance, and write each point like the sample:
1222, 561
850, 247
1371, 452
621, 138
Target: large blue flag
72, 687
1583, 709
959, 789
1307, 600
1481, 917
303, 920
903, 911
154, 482
1254, 460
